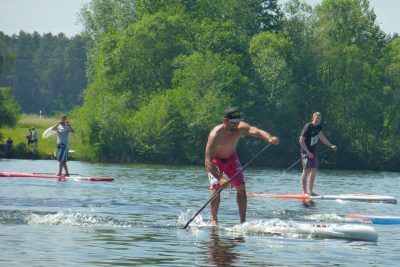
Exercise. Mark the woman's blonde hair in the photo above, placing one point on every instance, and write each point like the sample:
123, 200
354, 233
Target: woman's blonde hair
315, 114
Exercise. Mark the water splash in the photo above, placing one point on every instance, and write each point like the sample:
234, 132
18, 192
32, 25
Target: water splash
77, 219
184, 217
324, 217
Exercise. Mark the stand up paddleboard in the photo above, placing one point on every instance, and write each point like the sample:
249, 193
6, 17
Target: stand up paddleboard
49, 132
346, 231
322, 230
63, 178
347, 197
372, 219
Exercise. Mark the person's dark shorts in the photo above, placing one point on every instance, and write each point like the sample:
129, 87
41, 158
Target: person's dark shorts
62, 153
310, 163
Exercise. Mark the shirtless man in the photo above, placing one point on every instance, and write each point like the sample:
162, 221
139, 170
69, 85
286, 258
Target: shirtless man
221, 157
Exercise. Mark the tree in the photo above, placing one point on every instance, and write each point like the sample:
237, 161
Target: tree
140, 59
348, 46
9, 108
102, 16
249, 17
47, 73
388, 73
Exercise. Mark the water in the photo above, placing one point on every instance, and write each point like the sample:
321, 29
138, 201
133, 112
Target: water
137, 220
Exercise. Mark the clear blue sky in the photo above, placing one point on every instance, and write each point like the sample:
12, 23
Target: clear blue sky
57, 16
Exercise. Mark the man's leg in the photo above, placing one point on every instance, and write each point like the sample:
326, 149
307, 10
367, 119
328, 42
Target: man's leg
59, 168
214, 208
312, 179
66, 169
304, 180
241, 199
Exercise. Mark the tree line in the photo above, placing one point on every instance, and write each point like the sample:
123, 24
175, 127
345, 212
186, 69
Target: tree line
160, 74
46, 72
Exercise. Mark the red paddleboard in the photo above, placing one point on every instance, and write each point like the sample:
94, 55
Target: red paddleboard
46, 176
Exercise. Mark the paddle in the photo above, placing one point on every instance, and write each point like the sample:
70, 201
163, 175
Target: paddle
319, 153
225, 184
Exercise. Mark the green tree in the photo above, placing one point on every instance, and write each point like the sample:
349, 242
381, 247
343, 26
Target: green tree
102, 16
9, 108
349, 44
174, 126
47, 73
388, 73
249, 17
140, 59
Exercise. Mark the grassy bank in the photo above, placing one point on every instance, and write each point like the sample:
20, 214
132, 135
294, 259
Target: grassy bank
46, 148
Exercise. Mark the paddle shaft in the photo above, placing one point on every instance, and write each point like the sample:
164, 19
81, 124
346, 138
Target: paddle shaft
53, 173
228, 182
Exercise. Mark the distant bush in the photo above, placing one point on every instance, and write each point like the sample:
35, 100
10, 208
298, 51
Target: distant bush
22, 151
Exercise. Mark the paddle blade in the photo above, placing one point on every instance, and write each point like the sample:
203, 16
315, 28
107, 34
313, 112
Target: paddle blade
49, 132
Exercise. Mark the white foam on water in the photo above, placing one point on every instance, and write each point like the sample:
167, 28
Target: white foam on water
324, 217
75, 219
197, 222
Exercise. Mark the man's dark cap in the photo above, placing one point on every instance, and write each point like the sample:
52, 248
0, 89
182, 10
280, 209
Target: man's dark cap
233, 115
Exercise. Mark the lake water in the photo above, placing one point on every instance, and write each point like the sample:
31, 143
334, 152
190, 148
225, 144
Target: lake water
137, 219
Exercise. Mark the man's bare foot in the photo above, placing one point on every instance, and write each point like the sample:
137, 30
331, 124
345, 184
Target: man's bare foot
58, 174
314, 194
305, 193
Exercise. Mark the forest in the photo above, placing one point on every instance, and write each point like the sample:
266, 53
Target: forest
46, 72
147, 80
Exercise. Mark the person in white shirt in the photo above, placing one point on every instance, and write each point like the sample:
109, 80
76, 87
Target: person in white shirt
63, 128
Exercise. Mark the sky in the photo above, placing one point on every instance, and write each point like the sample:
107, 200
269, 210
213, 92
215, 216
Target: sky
57, 16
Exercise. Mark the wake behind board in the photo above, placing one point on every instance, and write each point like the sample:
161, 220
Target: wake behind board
49, 132
63, 178
347, 197
372, 219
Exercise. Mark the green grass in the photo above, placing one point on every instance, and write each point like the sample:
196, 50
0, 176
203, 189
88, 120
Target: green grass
46, 147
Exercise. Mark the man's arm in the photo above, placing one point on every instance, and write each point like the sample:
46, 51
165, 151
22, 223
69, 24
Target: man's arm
211, 151
54, 128
326, 141
70, 128
266, 136
304, 146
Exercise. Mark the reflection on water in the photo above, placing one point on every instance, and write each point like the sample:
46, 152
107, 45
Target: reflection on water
309, 203
221, 251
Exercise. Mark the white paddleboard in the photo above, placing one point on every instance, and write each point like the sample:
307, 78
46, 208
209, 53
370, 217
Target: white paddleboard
346, 197
346, 231
291, 228
358, 197
49, 132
